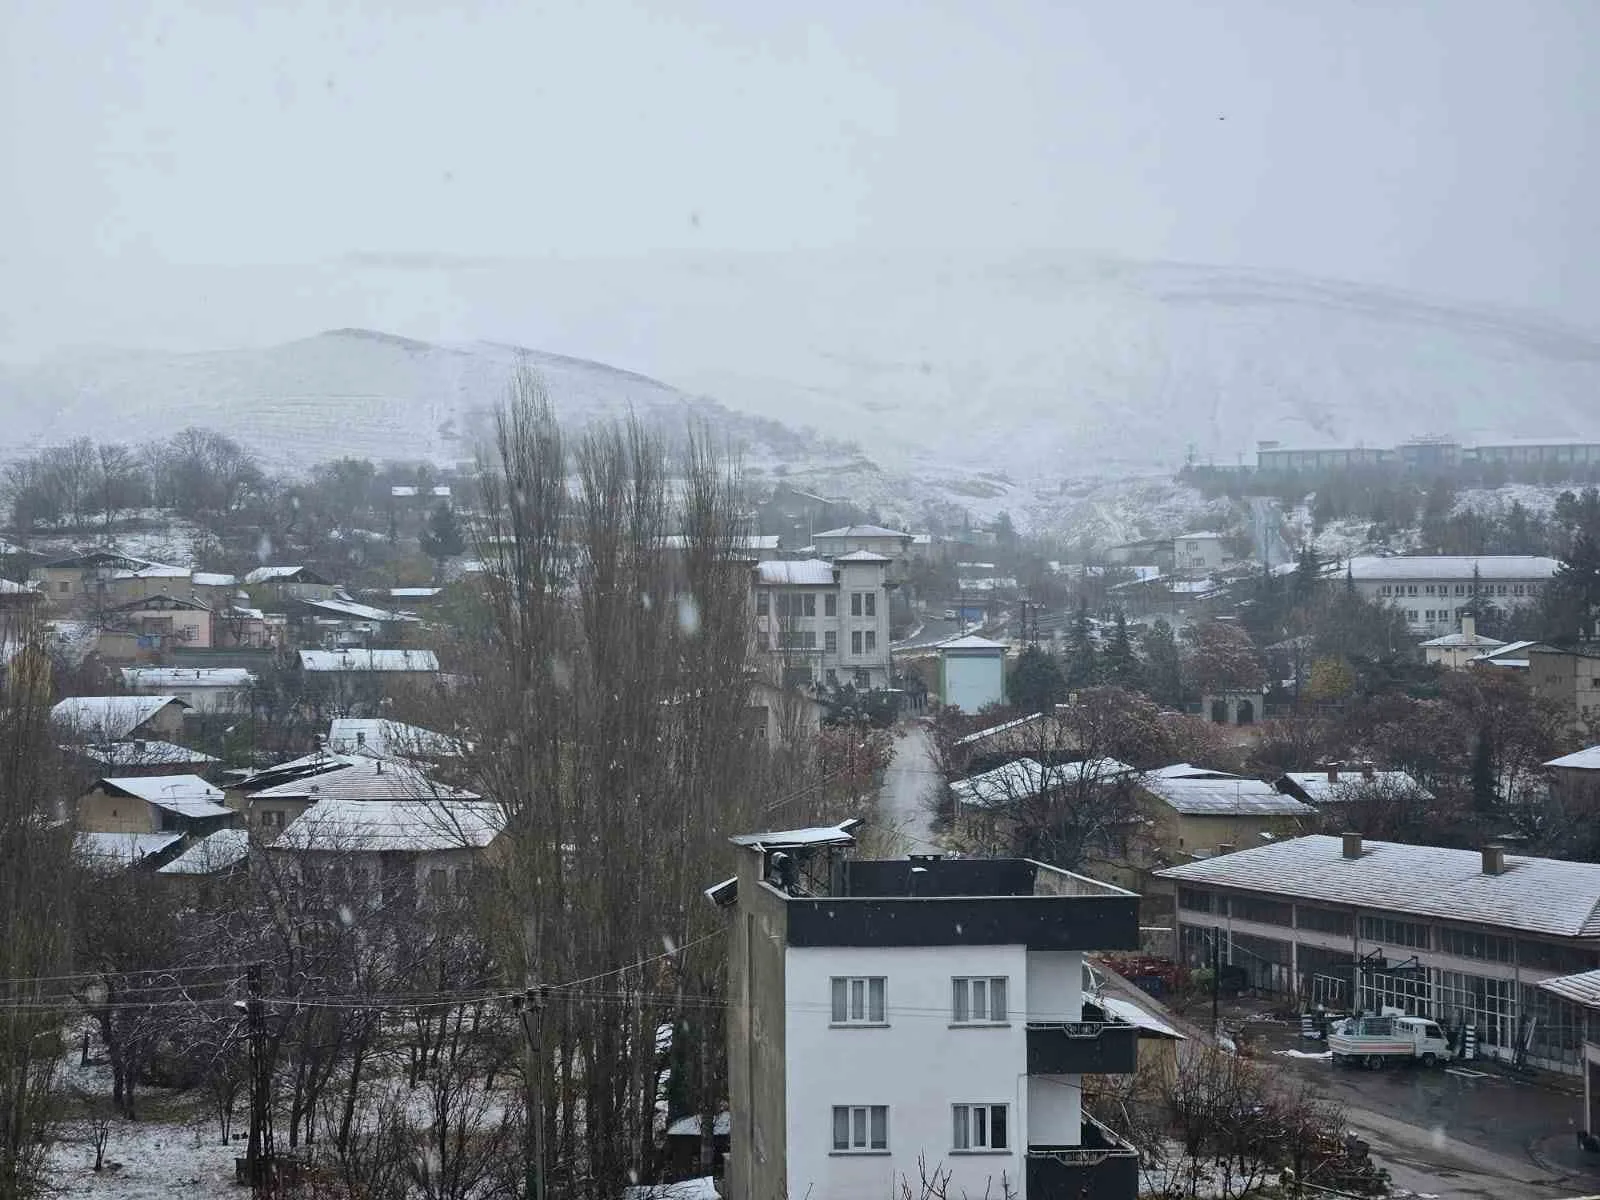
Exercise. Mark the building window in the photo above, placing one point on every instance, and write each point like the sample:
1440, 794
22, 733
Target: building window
1428, 616
855, 604
1192, 899
1470, 943
1388, 932
1500, 589
64, 586
1411, 589
859, 1000
1411, 614
1461, 589
810, 600
830, 641
763, 604
1385, 590
872, 603
1516, 589
855, 641
1265, 912
1427, 589
978, 1000
830, 605
860, 1128
1324, 920
871, 639
980, 1127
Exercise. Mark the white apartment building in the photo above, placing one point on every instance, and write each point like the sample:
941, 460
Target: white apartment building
923, 1010
825, 622
1433, 590
1198, 552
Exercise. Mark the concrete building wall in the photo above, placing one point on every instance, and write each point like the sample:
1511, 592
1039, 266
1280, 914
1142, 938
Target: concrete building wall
757, 1041
973, 679
101, 812
916, 1064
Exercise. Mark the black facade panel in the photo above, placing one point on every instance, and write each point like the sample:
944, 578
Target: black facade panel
941, 877
1113, 1050
1037, 922
1115, 1177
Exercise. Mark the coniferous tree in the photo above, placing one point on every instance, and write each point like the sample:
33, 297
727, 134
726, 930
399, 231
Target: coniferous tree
1082, 668
1036, 683
1163, 665
1120, 665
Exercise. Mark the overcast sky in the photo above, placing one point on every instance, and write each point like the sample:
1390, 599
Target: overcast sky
1438, 147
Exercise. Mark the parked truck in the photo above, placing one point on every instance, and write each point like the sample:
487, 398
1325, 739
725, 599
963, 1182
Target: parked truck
1377, 1041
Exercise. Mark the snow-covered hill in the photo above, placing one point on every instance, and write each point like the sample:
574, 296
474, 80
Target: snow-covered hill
975, 380
346, 392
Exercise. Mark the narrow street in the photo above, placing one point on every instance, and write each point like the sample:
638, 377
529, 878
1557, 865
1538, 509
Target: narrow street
911, 777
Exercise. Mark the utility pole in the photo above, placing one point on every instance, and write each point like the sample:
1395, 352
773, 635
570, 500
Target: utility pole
1216, 980
258, 1151
531, 1007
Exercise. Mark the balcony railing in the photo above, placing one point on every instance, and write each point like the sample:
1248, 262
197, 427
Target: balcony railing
1100, 1044
1103, 1167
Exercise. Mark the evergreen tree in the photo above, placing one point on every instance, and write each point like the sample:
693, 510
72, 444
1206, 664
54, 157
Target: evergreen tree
442, 538
1163, 664
1483, 783
1120, 665
1082, 668
1036, 683
1571, 607
1307, 577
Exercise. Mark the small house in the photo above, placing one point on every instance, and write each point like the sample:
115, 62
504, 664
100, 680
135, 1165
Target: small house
103, 719
972, 673
291, 583
183, 804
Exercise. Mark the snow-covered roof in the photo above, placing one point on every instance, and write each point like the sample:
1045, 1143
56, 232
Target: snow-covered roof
368, 660
393, 738
1185, 770
316, 763
842, 834
1535, 895
796, 572
862, 531
703, 1188
350, 609
272, 574
1205, 535
139, 678
213, 579
721, 1126
1135, 1014
114, 850
862, 556
749, 541
360, 778
1582, 760
144, 754
1025, 778
1454, 567
1465, 640
1319, 789
375, 826
1004, 727
1195, 796
971, 642
213, 853
155, 571
111, 718
1583, 988
1510, 654
414, 593
187, 795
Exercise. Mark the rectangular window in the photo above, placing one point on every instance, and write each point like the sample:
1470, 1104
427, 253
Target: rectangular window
1461, 589
1193, 900
830, 605
980, 1127
1500, 589
1388, 932
859, 1000
830, 641
855, 641
811, 604
855, 604
872, 603
1427, 589
978, 1000
1471, 943
871, 641
1516, 589
1324, 920
1265, 912
859, 1128
1411, 589
64, 586
763, 604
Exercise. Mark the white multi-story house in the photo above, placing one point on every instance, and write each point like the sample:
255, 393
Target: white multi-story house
891, 1016
1198, 551
825, 622
891, 543
1435, 590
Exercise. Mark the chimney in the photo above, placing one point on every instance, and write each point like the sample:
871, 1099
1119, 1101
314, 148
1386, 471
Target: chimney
1494, 860
1352, 845
1469, 627
1333, 772
1367, 771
